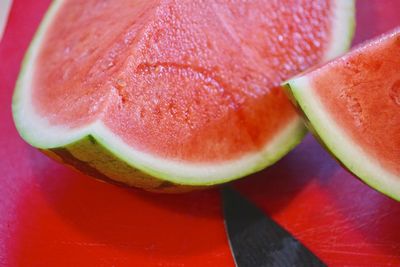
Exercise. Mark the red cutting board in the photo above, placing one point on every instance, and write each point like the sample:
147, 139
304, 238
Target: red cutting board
52, 216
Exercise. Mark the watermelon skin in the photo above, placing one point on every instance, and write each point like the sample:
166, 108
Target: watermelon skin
361, 161
105, 166
95, 153
96, 159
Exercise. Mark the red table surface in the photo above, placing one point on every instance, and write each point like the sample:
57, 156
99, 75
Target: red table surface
52, 216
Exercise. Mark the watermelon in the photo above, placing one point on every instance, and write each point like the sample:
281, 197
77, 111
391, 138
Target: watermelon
352, 104
5, 6
172, 95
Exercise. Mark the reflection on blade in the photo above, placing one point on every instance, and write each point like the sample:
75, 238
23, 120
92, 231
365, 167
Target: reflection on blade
257, 240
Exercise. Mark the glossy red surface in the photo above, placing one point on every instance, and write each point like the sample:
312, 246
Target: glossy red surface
52, 216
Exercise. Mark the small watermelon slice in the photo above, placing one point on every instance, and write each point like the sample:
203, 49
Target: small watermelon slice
352, 104
167, 95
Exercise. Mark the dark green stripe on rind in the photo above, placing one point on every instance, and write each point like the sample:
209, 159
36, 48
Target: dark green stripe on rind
90, 157
69, 159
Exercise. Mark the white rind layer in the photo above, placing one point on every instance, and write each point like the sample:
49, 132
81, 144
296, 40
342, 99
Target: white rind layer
351, 154
39, 133
203, 173
33, 128
343, 30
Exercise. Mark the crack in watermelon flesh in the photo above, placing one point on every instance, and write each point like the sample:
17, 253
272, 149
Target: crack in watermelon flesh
188, 80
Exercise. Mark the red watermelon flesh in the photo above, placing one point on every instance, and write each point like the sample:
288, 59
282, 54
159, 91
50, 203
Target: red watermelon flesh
184, 81
353, 105
369, 80
194, 83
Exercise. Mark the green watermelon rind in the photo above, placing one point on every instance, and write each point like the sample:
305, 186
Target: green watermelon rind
346, 151
97, 152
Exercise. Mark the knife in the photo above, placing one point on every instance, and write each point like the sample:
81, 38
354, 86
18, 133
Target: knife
256, 240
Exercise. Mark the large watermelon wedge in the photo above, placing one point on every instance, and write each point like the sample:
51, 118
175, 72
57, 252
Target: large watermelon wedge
163, 93
352, 104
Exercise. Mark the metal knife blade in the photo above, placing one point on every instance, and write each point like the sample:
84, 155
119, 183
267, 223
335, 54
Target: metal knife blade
257, 240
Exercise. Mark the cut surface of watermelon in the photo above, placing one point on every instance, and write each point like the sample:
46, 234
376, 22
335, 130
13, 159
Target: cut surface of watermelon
353, 106
183, 91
